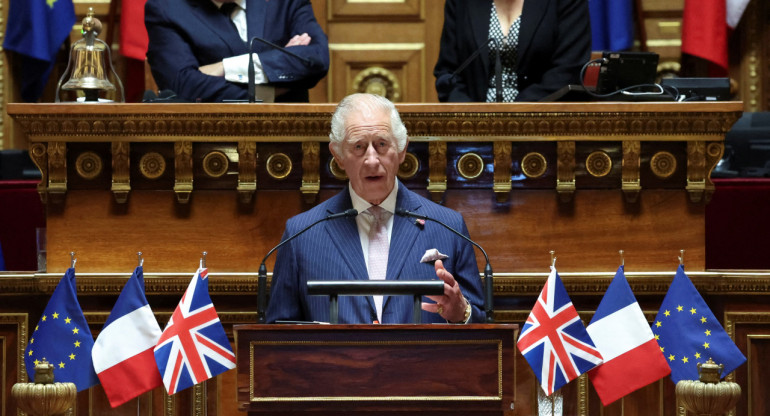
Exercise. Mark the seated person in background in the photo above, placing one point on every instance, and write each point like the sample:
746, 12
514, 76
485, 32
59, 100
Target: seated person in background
369, 141
199, 48
542, 45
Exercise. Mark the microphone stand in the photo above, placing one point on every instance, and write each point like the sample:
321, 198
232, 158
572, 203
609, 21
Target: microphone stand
488, 284
262, 273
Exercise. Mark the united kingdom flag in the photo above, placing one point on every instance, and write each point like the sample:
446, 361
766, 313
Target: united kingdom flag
194, 346
554, 341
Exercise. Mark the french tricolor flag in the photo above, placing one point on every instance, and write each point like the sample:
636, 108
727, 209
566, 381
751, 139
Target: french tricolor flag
632, 356
123, 352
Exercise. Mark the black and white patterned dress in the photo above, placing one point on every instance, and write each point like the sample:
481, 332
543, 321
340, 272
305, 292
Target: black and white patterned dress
507, 47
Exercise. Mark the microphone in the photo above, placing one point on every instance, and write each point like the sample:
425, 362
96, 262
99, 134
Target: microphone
310, 63
488, 286
262, 275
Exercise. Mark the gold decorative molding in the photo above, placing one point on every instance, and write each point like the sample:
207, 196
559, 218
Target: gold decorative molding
408, 168
88, 165
565, 170
598, 164
152, 165
183, 171
215, 164
337, 171
663, 164
39, 155
470, 165
121, 173
502, 170
714, 153
247, 170
630, 182
311, 170
534, 165
279, 165
379, 81
696, 170
437, 180
57, 171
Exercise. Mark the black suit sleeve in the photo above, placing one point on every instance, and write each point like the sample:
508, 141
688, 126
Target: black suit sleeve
569, 51
449, 88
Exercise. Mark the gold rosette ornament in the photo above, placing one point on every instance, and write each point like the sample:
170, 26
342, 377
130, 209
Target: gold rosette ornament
44, 397
708, 396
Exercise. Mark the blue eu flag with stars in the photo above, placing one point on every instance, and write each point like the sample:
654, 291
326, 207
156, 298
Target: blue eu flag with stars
688, 333
62, 338
36, 31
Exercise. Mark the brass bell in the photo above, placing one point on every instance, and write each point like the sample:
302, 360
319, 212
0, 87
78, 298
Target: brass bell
44, 397
90, 64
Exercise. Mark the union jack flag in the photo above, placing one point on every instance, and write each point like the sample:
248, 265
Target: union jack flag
194, 346
554, 341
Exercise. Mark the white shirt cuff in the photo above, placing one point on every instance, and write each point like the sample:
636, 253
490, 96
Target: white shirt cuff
237, 69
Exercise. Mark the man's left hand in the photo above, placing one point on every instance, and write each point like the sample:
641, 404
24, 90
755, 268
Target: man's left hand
452, 304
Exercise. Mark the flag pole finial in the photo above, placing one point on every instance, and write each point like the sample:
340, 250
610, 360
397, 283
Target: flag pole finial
73, 260
681, 257
203, 260
622, 257
553, 258
141, 260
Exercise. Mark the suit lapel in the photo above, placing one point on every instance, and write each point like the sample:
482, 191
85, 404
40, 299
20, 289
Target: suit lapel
208, 14
256, 12
479, 15
531, 15
403, 236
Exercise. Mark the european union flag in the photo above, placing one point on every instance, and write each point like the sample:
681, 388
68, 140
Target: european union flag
62, 338
612, 24
36, 31
688, 333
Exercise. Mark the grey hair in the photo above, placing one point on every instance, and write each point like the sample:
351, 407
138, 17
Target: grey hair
369, 103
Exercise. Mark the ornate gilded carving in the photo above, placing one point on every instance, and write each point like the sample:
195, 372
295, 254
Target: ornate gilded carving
502, 170
311, 170
437, 170
88, 165
336, 170
534, 165
598, 164
379, 81
183, 171
247, 170
696, 170
714, 153
57, 171
121, 176
39, 155
565, 170
470, 165
279, 165
409, 167
630, 182
663, 164
215, 164
152, 165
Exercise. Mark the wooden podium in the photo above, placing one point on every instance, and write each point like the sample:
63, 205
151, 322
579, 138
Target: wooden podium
375, 369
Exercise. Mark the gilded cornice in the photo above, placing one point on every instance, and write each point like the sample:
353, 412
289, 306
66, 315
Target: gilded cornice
139, 122
505, 284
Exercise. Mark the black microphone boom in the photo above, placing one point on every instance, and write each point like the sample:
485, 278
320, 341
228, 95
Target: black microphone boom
488, 284
252, 87
262, 275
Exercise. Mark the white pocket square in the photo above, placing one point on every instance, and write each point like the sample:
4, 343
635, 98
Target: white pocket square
432, 255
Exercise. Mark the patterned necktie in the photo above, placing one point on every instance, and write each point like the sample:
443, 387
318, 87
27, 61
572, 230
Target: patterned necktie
378, 250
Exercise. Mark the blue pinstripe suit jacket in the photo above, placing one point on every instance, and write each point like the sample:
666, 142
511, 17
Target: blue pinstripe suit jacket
332, 251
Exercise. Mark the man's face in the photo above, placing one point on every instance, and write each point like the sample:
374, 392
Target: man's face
369, 155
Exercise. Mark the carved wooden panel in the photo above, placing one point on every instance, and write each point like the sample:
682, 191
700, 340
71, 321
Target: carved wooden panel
375, 9
394, 70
